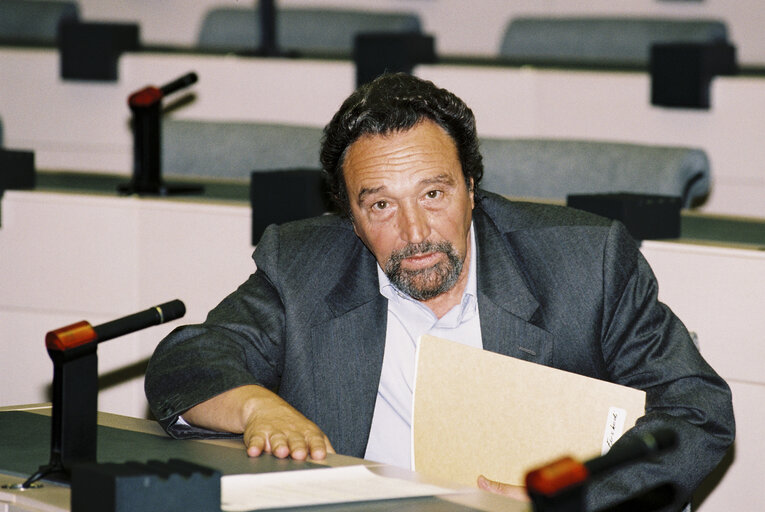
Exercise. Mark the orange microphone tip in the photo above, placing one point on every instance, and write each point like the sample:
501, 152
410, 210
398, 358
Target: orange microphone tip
71, 336
146, 97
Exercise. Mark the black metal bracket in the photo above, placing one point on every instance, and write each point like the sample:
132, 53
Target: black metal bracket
17, 171
682, 73
375, 53
91, 51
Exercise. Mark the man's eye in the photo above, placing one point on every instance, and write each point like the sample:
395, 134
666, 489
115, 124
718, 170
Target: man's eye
380, 205
433, 194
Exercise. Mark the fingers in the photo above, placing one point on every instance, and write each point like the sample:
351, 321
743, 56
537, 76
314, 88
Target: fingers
287, 442
255, 443
327, 444
511, 491
489, 485
273, 426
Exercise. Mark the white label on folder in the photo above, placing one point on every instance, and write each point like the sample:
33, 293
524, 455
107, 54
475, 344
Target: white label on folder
614, 428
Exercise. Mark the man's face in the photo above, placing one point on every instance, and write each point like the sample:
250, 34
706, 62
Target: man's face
411, 207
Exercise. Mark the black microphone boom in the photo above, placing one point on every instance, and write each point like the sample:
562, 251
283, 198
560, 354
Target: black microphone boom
137, 321
178, 83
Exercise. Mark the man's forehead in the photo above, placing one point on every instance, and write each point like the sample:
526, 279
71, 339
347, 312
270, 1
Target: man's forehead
425, 180
423, 138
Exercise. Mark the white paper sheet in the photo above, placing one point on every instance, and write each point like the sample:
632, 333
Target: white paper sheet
321, 486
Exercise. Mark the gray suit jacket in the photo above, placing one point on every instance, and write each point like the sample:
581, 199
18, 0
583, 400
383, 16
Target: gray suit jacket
555, 286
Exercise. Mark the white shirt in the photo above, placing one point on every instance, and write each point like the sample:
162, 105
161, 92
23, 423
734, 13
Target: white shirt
408, 319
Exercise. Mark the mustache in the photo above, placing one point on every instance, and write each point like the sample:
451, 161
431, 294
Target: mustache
420, 248
424, 283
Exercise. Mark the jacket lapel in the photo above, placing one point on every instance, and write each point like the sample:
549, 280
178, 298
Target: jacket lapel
348, 340
507, 306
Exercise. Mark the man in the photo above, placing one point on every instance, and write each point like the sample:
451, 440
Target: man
315, 352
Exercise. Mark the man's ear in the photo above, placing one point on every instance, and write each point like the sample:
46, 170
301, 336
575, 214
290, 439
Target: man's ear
471, 191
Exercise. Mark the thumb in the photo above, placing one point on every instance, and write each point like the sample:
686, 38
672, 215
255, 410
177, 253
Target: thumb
489, 485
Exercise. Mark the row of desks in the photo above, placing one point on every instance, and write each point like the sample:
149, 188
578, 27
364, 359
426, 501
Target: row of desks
85, 126
695, 226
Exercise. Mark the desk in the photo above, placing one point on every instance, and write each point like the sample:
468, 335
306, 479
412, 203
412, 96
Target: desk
147, 441
84, 126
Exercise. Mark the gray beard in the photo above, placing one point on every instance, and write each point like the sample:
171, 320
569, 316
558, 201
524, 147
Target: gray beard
426, 283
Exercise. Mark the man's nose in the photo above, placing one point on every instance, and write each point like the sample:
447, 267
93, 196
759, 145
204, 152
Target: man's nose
414, 224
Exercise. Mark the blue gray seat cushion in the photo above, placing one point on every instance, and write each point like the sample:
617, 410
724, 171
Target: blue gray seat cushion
601, 40
554, 168
34, 21
312, 29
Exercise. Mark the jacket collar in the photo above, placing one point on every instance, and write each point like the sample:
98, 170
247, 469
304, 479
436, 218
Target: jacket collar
358, 286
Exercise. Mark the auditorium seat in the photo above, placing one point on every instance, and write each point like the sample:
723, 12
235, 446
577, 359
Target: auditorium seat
531, 168
616, 41
311, 30
233, 150
554, 168
34, 21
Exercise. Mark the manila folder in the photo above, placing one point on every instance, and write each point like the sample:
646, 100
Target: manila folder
478, 412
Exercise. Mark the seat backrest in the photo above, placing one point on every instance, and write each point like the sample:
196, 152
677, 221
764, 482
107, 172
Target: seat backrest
233, 150
312, 30
555, 168
618, 41
34, 21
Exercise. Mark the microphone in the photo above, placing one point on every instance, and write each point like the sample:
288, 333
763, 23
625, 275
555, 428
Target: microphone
166, 312
82, 333
146, 106
152, 95
73, 350
178, 83
566, 472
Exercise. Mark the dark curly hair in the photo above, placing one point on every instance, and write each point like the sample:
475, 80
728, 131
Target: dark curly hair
390, 103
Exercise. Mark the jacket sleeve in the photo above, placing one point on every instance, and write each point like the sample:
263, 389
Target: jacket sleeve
240, 343
646, 346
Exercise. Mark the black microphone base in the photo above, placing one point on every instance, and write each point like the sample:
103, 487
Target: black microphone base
52, 472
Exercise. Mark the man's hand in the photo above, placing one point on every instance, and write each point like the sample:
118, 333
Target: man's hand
274, 426
267, 423
511, 491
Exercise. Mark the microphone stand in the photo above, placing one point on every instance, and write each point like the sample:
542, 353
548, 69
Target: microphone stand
75, 386
145, 105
